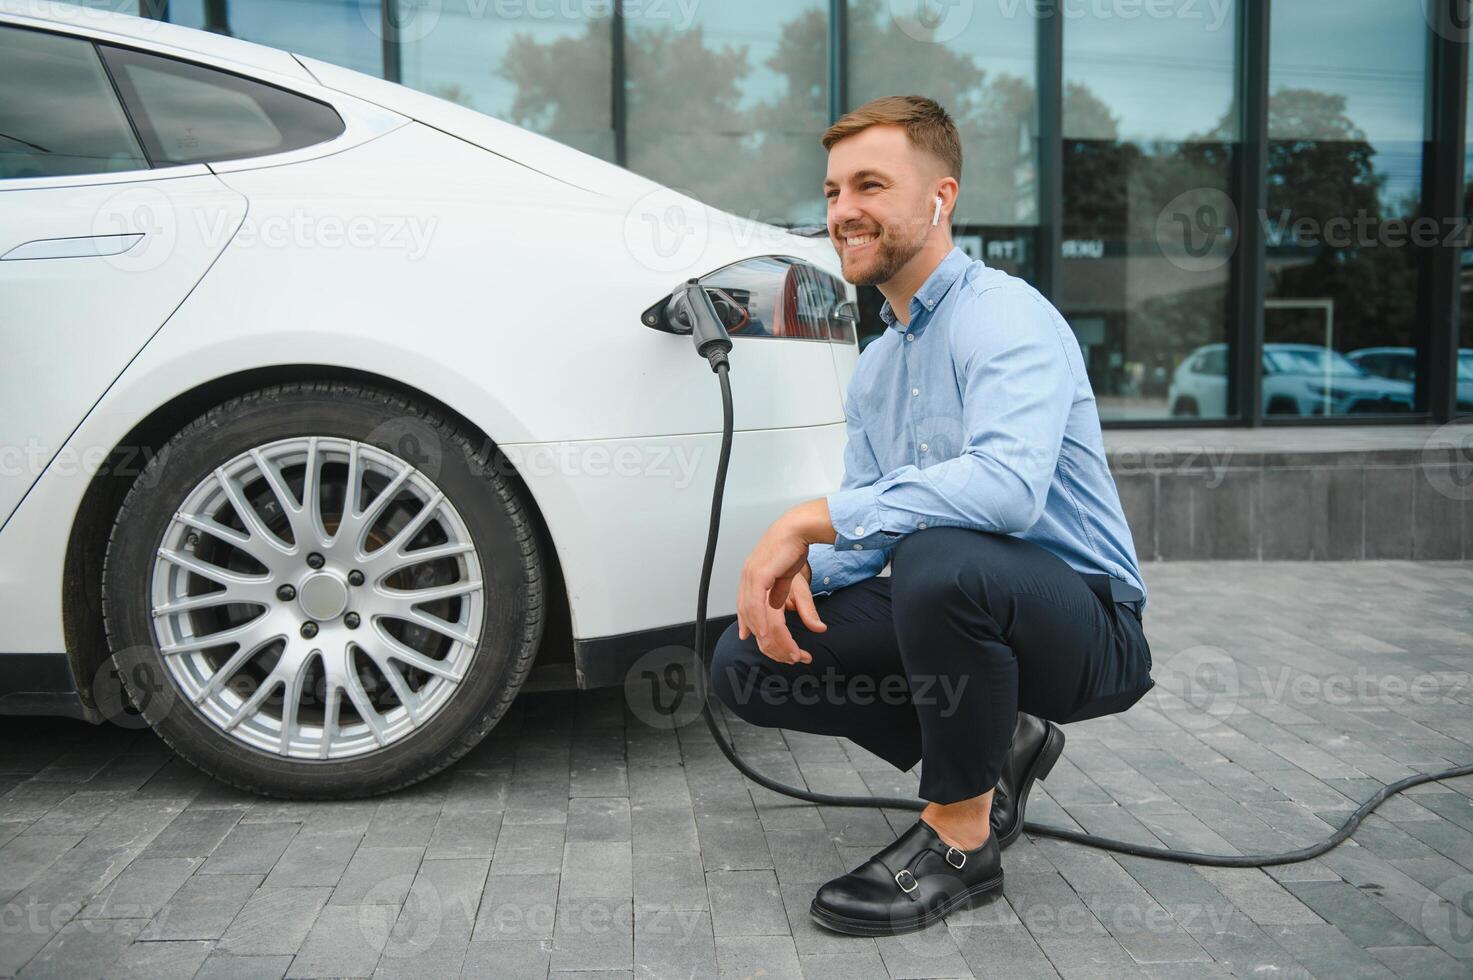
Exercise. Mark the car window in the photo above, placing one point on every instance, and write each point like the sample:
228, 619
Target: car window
59, 115
187, 113
1211, 362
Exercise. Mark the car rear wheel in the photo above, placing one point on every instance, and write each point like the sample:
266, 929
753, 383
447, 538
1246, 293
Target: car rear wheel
323, 591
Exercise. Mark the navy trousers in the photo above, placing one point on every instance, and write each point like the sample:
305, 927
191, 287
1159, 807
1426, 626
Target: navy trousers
933, 663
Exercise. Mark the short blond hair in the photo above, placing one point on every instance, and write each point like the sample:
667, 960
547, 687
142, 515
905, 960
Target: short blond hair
926, 124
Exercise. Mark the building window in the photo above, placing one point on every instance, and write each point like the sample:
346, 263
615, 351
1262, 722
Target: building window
727, 102
1346, 131
1150, 127
546, 68
1464, 404
345, 32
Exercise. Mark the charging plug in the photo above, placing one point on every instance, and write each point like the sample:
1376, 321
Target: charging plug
707, 332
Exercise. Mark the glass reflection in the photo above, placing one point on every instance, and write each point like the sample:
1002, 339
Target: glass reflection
1346, 143
1148, 224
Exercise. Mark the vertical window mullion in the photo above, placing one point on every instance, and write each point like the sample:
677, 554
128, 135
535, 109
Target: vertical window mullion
1050, 88
1250, 191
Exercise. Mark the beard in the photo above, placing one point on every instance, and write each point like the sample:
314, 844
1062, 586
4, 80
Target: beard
890, 256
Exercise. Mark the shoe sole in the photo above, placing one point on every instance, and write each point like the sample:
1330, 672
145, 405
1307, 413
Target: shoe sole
978, 894
1043, 764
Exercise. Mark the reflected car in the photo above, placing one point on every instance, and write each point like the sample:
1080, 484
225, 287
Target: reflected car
1298, 379
1400, 363
330, 408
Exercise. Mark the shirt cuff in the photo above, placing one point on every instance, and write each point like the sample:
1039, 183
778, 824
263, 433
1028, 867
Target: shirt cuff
855, 515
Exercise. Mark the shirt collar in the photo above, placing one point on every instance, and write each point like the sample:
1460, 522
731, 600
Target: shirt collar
932, 290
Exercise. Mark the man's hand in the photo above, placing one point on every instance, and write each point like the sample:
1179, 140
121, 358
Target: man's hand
775, 574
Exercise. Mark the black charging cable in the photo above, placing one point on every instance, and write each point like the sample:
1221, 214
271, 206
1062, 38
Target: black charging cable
712, 343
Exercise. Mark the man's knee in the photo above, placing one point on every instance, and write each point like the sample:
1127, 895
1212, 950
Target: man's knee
736, 672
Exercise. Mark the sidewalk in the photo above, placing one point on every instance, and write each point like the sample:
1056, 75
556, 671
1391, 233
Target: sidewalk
578, 839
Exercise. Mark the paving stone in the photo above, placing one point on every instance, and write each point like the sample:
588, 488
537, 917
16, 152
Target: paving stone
378, 876
159, 961
746, 903
674, 943
203, 907
769, 957
315, 859
492, 960
274, 920
142, 889
465, 834
83, 948
526, 849
1355, 914
345, 941
250, 848
224, 966
194, 833
517, 907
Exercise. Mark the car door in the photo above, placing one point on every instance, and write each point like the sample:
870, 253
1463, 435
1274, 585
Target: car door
98, 246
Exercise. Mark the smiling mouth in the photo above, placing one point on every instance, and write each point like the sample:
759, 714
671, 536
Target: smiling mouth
858, 241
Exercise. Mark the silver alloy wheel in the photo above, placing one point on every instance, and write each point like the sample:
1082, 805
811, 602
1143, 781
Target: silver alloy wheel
317, 598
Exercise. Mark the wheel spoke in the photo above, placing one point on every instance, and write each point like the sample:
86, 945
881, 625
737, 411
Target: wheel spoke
230, 595
312, 494
416, 597
249, 516
220, 638
407, 559
211, 571
249, 705
283, 495
416, 523
229, 669
411, 657
330, 713
291, 702
365, 709
357, 524
396, 680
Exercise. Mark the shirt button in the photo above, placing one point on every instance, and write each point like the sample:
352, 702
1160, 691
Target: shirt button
859, 529
859, 547
924, 447
921, 526
914, 392
909, 337
825, 580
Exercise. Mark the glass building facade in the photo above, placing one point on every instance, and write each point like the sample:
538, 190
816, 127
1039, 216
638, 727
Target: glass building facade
1250, 211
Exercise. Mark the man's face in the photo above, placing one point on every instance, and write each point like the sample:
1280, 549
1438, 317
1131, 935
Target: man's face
880, 192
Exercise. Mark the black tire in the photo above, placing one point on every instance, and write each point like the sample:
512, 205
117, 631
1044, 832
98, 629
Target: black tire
1186, 406
472, 476
1279, 405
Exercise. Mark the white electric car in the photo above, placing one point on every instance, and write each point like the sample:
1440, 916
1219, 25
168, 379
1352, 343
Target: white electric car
328, 406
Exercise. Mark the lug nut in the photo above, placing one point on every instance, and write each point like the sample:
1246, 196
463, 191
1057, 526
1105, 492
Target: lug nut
309, 630
314, 560
286, 593
352, 620
355, 577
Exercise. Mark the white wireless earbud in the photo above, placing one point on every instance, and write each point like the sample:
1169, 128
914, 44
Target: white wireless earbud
936, 215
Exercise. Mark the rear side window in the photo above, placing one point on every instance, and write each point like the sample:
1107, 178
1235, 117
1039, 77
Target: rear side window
187, 113
59, 115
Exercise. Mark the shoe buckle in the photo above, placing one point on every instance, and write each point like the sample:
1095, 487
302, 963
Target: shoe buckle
906, 880
961, 858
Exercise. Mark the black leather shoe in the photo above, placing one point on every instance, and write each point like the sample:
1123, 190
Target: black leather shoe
912, 883
1036, 747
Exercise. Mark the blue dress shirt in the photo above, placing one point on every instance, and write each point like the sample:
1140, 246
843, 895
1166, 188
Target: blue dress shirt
978, 414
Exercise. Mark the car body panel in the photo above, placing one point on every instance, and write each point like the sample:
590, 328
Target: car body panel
510, 289
76, 319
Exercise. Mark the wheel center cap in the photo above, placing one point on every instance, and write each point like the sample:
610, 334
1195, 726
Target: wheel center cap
323, 596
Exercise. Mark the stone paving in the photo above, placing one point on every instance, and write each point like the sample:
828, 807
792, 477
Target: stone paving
579, 840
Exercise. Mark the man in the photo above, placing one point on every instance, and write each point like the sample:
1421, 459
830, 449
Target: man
975, 466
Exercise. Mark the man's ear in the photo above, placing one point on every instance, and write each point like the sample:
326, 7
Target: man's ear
947, 189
